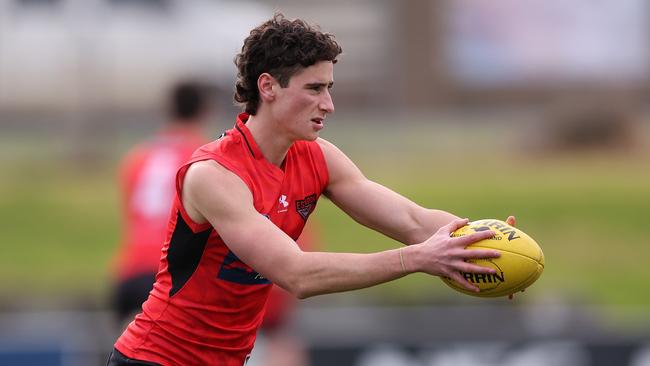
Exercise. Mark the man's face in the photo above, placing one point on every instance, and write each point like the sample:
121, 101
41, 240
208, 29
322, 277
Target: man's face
301, 107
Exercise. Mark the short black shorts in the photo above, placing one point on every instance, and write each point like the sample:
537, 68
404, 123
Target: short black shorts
118, 359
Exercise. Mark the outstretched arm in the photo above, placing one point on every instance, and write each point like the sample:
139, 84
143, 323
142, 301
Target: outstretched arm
212, 193
376, 206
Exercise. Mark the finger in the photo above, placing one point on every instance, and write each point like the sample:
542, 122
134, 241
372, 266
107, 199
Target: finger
462, 282
454, 225
474, 237
511, 220
475, 268
480, 254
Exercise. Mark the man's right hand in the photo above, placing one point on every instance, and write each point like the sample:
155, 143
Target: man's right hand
445, 256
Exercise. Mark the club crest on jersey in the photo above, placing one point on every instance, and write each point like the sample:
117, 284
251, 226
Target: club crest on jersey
306, 206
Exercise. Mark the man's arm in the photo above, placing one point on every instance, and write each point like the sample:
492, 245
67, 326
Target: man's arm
212, 193
376, 206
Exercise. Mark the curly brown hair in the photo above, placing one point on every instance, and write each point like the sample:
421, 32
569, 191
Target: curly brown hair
280, 47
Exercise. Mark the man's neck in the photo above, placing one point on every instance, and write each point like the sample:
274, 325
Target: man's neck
273, 145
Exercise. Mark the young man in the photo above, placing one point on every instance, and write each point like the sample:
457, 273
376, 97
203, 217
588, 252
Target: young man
243, 200
146, 183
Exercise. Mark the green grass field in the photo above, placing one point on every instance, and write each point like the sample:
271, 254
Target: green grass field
589, 213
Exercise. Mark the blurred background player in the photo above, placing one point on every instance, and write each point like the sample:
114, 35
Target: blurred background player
146, 183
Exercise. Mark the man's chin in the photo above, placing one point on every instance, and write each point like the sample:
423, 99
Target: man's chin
310, 137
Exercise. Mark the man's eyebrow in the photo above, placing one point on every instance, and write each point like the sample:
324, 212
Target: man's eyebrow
318, 85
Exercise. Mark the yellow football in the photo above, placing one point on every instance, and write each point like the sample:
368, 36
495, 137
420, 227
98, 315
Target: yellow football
520, 264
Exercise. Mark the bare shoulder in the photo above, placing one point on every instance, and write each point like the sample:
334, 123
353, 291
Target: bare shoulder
208, 174
332, 153
325, 145
201, 170
341, 168
209, 189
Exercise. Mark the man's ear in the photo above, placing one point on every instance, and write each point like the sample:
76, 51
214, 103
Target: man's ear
265, 84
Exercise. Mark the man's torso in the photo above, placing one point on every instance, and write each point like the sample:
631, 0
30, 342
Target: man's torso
206, 304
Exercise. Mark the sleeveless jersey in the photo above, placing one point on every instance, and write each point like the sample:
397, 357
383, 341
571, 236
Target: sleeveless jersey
206, 304
147, 188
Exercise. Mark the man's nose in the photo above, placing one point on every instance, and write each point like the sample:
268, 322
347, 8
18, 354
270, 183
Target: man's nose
326, 103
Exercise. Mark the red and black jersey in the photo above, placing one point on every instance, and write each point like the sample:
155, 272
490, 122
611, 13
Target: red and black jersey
207, 305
